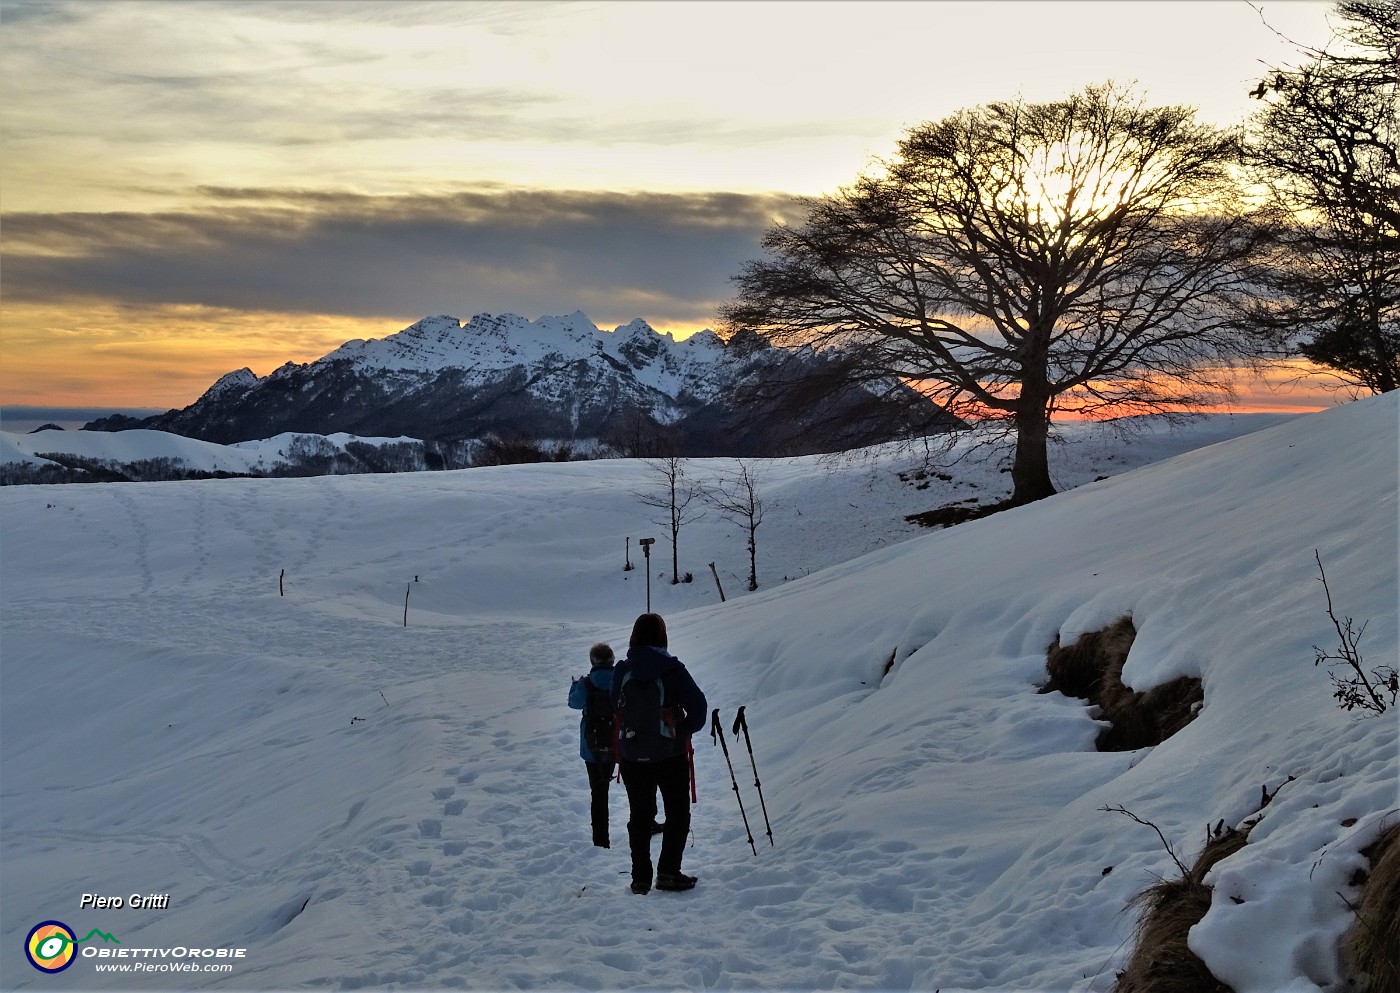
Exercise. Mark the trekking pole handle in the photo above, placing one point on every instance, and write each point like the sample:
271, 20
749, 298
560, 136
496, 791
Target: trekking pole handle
739, 721
715, 730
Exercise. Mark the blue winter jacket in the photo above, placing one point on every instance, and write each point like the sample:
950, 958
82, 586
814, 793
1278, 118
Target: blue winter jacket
645, 662
578, 696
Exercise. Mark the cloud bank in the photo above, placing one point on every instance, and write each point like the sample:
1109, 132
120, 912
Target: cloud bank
666, 257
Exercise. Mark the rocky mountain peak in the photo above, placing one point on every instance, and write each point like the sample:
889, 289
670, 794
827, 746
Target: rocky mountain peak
237, 381
558, 378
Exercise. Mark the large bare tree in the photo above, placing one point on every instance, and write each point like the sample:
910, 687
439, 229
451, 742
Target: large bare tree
1325, 148
1015, 259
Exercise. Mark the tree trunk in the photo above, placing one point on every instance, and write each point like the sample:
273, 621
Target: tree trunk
675, 532
1030, 472
1384, 363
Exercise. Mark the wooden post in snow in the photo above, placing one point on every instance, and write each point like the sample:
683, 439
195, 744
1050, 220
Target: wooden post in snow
715, 573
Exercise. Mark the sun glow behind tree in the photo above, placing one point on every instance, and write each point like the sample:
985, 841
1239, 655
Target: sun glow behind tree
1017, 260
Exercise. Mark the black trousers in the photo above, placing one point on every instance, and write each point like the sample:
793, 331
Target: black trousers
599, 776
643, 780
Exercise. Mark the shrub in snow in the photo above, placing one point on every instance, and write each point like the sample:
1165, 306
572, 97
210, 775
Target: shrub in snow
1354, 687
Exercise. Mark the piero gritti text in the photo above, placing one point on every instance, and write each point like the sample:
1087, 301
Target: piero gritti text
136, 901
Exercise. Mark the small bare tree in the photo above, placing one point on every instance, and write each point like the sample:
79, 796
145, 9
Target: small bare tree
673, 497
736, 498
1355, 689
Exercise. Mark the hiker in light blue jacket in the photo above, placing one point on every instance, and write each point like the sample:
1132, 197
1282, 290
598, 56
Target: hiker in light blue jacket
596, 724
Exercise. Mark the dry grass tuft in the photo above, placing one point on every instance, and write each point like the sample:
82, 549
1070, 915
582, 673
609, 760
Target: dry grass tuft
1161, 961
1092, 669
1372, 946
1080, 669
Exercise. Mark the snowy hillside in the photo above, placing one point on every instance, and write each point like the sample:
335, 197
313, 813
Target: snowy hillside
127, 451
360, 803
125, 447
1086, 451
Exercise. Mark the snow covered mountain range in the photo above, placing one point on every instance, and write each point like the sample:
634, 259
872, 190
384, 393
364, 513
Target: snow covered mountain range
558, 378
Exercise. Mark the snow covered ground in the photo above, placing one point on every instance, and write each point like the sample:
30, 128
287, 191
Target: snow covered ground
357, 803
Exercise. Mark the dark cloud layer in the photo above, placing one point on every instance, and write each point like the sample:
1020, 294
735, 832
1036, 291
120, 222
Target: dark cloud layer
666, 257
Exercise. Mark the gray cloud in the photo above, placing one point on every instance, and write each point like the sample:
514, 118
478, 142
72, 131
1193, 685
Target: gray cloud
211, 84
666, 257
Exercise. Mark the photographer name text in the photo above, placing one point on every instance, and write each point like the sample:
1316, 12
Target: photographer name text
151, 901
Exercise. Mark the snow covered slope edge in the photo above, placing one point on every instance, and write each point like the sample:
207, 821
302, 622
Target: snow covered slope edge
951, 790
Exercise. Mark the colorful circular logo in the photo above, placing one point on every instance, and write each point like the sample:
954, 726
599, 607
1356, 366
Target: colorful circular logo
50, 946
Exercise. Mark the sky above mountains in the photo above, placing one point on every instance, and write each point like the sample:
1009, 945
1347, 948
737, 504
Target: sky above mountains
191, 188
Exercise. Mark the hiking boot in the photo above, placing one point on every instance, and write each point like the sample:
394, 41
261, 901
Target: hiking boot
601, 843
674, 881
640, 888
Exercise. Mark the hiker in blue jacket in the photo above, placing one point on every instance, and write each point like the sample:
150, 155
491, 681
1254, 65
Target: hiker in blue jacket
599, 761
659, 707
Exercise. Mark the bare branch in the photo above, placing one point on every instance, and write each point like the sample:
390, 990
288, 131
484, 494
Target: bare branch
1165, 843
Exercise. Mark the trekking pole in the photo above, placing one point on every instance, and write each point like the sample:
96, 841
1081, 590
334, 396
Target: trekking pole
717, 735
741, 722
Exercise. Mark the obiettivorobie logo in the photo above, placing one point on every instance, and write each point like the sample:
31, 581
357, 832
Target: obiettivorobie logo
52, 947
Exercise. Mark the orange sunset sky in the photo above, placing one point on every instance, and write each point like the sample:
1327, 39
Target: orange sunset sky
187, 189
